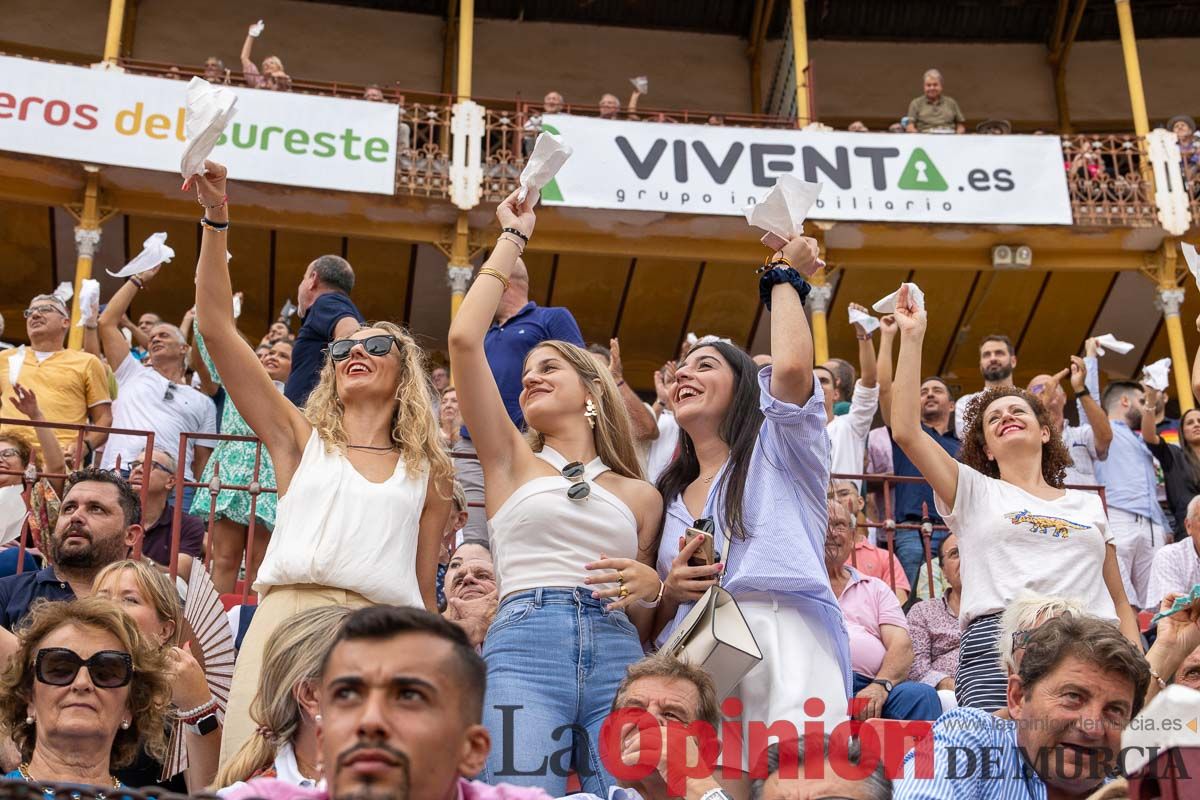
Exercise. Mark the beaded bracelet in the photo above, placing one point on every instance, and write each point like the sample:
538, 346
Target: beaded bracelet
219, 227
191, 716
224, 200
516, 232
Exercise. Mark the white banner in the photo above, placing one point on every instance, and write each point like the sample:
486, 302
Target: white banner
887, 177
105, 117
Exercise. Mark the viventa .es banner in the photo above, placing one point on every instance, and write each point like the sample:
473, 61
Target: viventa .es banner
886, 177
106, 117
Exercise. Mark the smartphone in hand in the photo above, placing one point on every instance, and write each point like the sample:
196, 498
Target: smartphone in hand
706, 554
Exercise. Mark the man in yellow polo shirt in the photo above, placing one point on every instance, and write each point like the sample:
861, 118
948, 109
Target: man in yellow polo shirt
71, 385
934, 112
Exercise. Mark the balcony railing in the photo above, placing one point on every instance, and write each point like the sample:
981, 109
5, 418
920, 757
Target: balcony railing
1108, 179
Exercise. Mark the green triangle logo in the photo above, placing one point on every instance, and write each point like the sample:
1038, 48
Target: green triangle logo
920, 174
550, 191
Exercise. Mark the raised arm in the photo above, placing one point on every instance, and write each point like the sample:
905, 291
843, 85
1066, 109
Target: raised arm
1149, 426
135, 333
867, 366
247, 47
883, 370
495, 438
1093, 415
282, 428
791, 339
645, 427
53, 460
112, 341
938, 466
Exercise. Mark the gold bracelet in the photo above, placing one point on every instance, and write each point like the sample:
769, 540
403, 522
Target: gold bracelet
495, 274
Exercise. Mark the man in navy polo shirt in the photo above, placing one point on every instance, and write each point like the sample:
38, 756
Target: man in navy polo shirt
520, 326
99, 521
328, 314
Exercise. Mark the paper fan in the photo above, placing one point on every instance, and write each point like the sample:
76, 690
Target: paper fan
205, 616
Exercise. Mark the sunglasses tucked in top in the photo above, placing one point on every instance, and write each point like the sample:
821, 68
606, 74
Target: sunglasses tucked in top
378, 345
58, 666
579, 489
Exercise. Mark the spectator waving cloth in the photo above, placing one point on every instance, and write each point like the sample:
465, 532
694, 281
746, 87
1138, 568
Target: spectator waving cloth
781, 213
15, 360
89, 302
1109, 342
209, 110
64, 292
869, 323
154, 252
888, 304
1157, 375
550, 152
641, 83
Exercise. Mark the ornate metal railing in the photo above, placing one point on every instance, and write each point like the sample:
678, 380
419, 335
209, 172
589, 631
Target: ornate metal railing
1108, 181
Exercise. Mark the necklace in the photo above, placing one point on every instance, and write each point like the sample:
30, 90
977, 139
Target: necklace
387, 449
709, 479
23, 769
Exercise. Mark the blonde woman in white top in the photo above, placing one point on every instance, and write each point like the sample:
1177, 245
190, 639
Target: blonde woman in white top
363, 482
573, 535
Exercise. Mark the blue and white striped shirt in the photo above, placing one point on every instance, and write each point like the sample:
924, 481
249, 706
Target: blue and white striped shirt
785, 516
975, 757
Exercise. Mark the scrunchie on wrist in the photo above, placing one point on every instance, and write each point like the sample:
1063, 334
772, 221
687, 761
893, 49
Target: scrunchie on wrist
782, 275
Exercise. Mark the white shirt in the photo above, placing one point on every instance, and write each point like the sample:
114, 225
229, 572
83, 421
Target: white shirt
848, 433
1013, 543
286, 770
662, 449
336, 528
142, 404
1176, 568
1080, 441
960, 412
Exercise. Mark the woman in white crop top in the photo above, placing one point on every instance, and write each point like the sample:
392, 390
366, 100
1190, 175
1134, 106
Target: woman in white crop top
364, 484
572, 533
1018, 530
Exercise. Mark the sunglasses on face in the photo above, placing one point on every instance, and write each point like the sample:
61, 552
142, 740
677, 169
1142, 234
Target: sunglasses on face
42, 310
579, 489
134, 465
378, 346
108, 669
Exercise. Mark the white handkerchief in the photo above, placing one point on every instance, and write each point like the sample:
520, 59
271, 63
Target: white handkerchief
1157, 375
869, 323
1192, 259
888, 304
641, 83
64, 292
692, 339
209, 109
15, 360
154, 252
550, 152
1109, 342
782, 210
237, 306
89, 302
257, 28
12, 513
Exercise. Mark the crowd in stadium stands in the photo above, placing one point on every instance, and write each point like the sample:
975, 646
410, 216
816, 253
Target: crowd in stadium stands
472, 578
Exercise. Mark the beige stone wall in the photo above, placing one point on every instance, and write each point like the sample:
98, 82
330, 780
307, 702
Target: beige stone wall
872, 80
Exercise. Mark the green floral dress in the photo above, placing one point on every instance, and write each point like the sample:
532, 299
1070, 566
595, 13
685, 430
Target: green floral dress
237, 466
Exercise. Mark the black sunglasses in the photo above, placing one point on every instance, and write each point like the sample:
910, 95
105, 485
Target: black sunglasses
378, 345
579, 489
108, 669
169, 395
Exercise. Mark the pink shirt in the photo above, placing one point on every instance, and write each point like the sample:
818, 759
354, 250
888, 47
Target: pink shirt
871, 560
867, 605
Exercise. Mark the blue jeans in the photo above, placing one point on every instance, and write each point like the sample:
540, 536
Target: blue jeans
554, 658
911, 552
907, 700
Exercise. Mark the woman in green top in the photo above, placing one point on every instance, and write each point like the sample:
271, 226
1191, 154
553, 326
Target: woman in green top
232, 517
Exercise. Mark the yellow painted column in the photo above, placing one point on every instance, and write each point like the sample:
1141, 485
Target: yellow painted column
112, 37
1170, 299
818, 305
466, 41
1133, 69
87, 241
458, 268
800, 52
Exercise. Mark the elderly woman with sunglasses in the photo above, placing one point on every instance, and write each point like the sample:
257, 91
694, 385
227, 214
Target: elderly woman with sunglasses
573, 527
364, 483
83, 693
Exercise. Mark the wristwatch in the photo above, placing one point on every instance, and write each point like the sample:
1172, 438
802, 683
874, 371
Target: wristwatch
886, 684
205, 725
